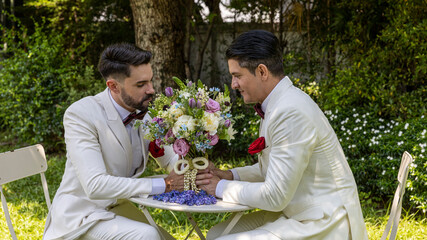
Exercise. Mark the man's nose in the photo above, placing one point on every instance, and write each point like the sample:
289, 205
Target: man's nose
150, 89
234, 84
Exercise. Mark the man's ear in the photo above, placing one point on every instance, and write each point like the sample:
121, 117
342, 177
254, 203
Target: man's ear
263, 71
113, 85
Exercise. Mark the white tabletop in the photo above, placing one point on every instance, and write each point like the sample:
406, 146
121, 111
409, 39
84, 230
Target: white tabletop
220, 206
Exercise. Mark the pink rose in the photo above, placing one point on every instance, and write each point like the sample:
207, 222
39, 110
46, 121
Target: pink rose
212, 106
213, 139
181, 147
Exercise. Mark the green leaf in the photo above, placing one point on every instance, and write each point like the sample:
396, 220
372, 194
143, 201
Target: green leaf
226, 91
199, 84
152, 112
179, 83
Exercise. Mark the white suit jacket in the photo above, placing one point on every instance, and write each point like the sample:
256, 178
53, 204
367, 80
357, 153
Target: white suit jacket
302, 171
99, 159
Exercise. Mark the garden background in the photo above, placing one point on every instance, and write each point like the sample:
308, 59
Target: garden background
364, 62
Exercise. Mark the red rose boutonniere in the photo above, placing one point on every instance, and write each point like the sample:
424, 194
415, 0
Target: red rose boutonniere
257, 146
155, 150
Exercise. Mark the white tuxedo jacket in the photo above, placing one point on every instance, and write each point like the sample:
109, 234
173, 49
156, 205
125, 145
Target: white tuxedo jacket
302, 171
99, 159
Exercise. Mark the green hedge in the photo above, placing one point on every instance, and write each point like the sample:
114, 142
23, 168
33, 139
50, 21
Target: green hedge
39, 79
374, 147
386, 73
372, 144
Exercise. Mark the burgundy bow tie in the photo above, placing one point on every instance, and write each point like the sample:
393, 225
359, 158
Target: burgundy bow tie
133, 116
258, 110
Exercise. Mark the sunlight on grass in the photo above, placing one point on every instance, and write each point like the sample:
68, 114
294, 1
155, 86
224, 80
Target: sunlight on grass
28, 219
411, 227
28, 209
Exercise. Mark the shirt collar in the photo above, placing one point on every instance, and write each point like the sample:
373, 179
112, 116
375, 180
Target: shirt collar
121, 110
265, 102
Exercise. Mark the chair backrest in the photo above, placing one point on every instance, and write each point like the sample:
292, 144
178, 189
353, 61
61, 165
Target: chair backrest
18, 164
396, 207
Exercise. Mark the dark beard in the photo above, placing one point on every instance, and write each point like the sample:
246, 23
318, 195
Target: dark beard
128, 100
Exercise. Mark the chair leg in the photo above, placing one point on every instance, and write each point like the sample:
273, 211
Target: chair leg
45, 190
6, 214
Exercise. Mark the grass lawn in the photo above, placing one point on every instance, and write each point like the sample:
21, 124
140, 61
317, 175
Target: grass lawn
28, 210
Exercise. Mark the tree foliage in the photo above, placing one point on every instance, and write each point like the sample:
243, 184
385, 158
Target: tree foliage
384, 67
38, 80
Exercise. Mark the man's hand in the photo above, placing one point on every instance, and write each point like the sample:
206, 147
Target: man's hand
174, 182
209, 185
211, 170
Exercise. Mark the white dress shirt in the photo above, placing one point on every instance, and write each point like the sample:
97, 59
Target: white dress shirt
159, 185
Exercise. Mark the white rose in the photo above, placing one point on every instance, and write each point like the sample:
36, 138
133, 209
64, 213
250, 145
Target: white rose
175, 112
210, 122
184, 121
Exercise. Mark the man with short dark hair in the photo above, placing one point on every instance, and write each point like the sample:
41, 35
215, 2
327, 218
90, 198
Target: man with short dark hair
302, 181
106, 154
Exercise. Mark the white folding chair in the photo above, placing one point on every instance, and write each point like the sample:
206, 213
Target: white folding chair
18, 164
396, 207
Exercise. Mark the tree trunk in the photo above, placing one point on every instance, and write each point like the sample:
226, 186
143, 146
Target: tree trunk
187, 39
308, 37
159, 28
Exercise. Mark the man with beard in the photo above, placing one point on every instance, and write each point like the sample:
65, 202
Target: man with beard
106, 154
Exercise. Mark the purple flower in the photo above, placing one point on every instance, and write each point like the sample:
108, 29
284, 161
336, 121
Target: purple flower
188, 197
158, 120
169, 92
189, 84
181, 147
212, 106
169, 136
159, 142
213, 139
199, 104
227, 123
227, 104
192, 103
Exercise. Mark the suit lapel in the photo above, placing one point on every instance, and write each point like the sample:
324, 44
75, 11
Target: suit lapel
116, 125
280, 89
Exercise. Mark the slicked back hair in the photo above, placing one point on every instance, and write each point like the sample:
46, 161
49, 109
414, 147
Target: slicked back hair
256, 47
116, 59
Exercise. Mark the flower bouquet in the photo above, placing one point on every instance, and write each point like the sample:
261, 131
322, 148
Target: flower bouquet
192, 119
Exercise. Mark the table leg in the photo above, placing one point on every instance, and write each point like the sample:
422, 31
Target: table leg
191, 219
150, 219
234, 218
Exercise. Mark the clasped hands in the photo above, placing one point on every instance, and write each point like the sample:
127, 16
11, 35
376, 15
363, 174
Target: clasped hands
206, 179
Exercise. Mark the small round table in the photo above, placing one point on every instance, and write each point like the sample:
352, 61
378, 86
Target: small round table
219, 207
